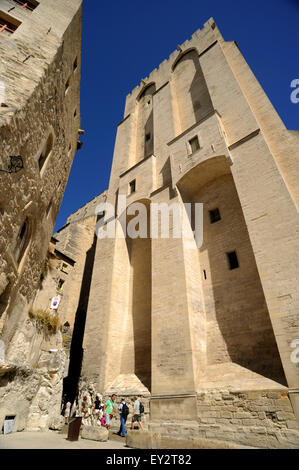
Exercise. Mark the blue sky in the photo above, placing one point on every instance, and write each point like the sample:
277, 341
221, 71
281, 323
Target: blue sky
123, 41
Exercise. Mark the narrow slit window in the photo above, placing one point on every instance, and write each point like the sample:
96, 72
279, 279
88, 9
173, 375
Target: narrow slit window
75, 113
232, 260
48, 210
214, 215
204, 274
21, 241
194, 144
132, 186
147, 137
45, 153
67, 85
8, 24
75, 65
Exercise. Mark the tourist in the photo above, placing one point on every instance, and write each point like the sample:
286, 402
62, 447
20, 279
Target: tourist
109, 410
67, 412
136, 418
84, 410
96, 410
123, 413
63, 402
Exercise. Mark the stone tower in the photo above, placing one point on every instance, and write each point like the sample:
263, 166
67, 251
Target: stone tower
40, 63
209, 333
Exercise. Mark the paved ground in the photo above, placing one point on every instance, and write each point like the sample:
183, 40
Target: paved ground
55, 440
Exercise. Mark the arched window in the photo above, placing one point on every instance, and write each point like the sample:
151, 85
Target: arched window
145, 122
191, 91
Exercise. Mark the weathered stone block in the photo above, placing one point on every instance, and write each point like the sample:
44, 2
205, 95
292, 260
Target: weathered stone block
95, 433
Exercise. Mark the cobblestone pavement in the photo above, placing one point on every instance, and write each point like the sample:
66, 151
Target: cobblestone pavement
55, 440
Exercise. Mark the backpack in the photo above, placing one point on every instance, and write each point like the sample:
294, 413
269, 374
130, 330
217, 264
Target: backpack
125, 410
141, 408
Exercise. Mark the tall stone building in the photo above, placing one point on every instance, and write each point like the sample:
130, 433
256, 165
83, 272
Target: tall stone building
207, 336
40, 62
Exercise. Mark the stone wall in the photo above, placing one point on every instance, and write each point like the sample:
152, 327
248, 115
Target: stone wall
32, 392
39, 120
262, 418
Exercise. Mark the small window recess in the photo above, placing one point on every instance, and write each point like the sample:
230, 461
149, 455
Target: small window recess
8, 24
75, 113
22, 242
100, 215
60, 286
67, 86
64, 268
45, 153
214, 215
194, 144
48, 210
204, 274
75, 64
232, 260
147, 137
132, 186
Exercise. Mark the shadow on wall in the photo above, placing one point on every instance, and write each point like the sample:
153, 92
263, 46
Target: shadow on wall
139, 250
194, 101
239, 329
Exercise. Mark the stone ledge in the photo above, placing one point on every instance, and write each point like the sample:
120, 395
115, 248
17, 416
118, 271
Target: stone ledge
150, 440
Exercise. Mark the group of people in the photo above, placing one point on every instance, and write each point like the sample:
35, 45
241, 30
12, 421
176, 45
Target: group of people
110, 409
102, 413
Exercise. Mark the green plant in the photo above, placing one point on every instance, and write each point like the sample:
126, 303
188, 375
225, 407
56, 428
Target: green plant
44, 319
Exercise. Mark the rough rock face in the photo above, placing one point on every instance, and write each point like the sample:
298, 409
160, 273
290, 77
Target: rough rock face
33, 394
44, 411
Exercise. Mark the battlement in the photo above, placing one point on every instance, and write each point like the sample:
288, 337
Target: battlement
201, 39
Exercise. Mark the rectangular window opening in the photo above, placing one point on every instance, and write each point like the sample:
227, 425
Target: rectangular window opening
8, 24
232, 260
214, 215
28, 5
75, 65
194, 144
64, 268
100, 215
60, 285
132, 186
